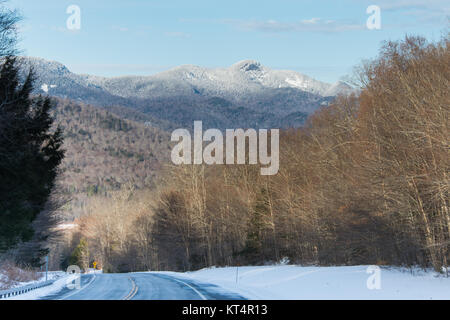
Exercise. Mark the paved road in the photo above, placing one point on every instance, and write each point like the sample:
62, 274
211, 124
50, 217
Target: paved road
142, 286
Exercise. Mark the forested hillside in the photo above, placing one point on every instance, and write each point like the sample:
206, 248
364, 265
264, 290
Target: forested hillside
104, 151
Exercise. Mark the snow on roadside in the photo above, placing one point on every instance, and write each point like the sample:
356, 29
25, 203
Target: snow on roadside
58, 285
289, 282
52, 275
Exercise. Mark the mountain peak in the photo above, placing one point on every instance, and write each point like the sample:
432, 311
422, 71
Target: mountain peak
248, 65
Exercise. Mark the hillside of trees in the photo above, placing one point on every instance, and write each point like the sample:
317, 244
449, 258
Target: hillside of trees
366, 181
104, 151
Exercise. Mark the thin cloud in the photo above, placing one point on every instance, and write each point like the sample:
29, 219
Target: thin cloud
177, 35
435, 12
423, 10
309, 25
121, 29
412, 4
64, 30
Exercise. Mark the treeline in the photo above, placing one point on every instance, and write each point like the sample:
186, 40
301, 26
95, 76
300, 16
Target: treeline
30, 154
366, 181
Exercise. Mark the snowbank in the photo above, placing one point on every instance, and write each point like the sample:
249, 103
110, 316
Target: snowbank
8, 283
327, 283
62, 280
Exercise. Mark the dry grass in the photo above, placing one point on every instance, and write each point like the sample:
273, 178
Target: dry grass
11, 275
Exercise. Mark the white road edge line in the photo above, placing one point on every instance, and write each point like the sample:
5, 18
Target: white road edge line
90, 282
195, 290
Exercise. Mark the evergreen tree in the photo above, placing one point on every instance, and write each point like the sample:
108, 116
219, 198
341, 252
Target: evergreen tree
80, 255
30, 153
253, 250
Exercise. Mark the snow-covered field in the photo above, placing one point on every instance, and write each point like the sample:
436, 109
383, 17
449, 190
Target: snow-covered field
304, 283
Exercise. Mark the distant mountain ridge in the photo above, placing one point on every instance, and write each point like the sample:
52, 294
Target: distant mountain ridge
247, 94
240, 79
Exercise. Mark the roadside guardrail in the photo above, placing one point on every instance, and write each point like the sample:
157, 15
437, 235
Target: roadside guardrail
21, 290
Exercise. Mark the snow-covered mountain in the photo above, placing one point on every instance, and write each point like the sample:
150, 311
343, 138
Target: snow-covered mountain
240, 79
247, 92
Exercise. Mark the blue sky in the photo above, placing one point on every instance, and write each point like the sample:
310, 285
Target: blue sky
321, 38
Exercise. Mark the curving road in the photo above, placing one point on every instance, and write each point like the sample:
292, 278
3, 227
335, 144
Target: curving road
142, 286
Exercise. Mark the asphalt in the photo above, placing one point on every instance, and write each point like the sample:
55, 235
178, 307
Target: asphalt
142, 286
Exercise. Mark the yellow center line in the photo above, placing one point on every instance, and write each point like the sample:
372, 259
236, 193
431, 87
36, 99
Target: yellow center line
133, 291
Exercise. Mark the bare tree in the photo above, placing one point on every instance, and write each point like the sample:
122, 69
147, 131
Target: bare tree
8, 30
